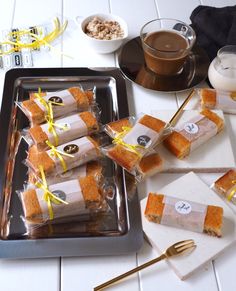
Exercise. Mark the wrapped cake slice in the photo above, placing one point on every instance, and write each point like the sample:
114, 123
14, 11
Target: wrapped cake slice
64, 129
188, 215
116, 127
149, 165
193, 133
64, 157
63, 103
133, 143
88, 93
226, 185
93, 168
216, 99
69, 198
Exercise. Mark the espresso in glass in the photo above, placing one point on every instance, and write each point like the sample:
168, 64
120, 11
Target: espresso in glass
165, 52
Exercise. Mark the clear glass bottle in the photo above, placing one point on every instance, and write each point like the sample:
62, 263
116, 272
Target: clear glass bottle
222, 70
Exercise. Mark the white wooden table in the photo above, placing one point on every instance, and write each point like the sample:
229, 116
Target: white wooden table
82, 273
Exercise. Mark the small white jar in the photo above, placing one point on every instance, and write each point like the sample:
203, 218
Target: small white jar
222, 70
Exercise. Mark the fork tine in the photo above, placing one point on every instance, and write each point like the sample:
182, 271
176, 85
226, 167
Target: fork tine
183, 242
185, 247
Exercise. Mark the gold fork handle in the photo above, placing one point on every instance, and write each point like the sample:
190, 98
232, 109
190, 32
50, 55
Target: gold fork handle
126, 274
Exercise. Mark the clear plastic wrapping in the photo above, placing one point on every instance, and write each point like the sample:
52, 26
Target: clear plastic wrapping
193, 133
20, 44
77, 197
225, 186
217, 99
93, 168
189, 215
62, 130
61, 103
133, 143
65, 157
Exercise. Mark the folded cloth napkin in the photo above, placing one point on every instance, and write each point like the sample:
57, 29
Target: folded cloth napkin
214, 27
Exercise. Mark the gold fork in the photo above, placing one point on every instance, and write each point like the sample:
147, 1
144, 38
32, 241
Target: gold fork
174, 250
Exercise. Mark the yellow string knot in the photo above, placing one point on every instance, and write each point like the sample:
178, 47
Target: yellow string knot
48, 196
59, 154
118, 139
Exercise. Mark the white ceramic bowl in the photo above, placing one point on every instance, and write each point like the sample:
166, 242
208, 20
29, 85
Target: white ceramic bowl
103, 46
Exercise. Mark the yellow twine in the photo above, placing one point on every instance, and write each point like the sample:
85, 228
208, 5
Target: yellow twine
41, 99
44, 102
52, 126
48, 196
38, 40
118, 139
58, 154
232, 192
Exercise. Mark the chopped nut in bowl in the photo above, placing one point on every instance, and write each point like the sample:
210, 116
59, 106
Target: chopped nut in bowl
104, 33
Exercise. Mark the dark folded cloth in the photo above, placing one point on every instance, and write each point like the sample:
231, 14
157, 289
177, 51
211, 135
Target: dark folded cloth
214, 27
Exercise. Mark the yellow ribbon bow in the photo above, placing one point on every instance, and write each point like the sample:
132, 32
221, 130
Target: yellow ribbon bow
44, 102
52, 125
49, 117
59, 154
37, 40
118, 139
232, 192
48, 196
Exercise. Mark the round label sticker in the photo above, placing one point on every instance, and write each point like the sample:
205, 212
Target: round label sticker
183, 207
63, 127
55, 99
143, 140
71, 149
191, 128
60, 194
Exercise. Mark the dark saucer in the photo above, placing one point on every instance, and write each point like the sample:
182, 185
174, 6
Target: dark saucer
132, 64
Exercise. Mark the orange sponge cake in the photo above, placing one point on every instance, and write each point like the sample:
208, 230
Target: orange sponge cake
128, 151
213, 218
69, 128
207, 98
77, 152
226, 185
193, 133
150, 165
79, 194
73, 99
115, 127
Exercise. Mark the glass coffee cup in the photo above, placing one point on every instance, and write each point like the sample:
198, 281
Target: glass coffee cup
166, 45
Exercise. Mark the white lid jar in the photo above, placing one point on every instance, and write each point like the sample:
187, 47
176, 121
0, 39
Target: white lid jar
222, 70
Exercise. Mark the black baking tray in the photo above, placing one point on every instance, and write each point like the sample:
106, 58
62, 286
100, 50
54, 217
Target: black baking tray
120, 231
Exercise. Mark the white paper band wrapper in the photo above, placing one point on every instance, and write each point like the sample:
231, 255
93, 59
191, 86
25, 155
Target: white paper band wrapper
81, 149
73, 127
70, 192
183, 214
62, 97
141, 135
198, 130
226, 101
